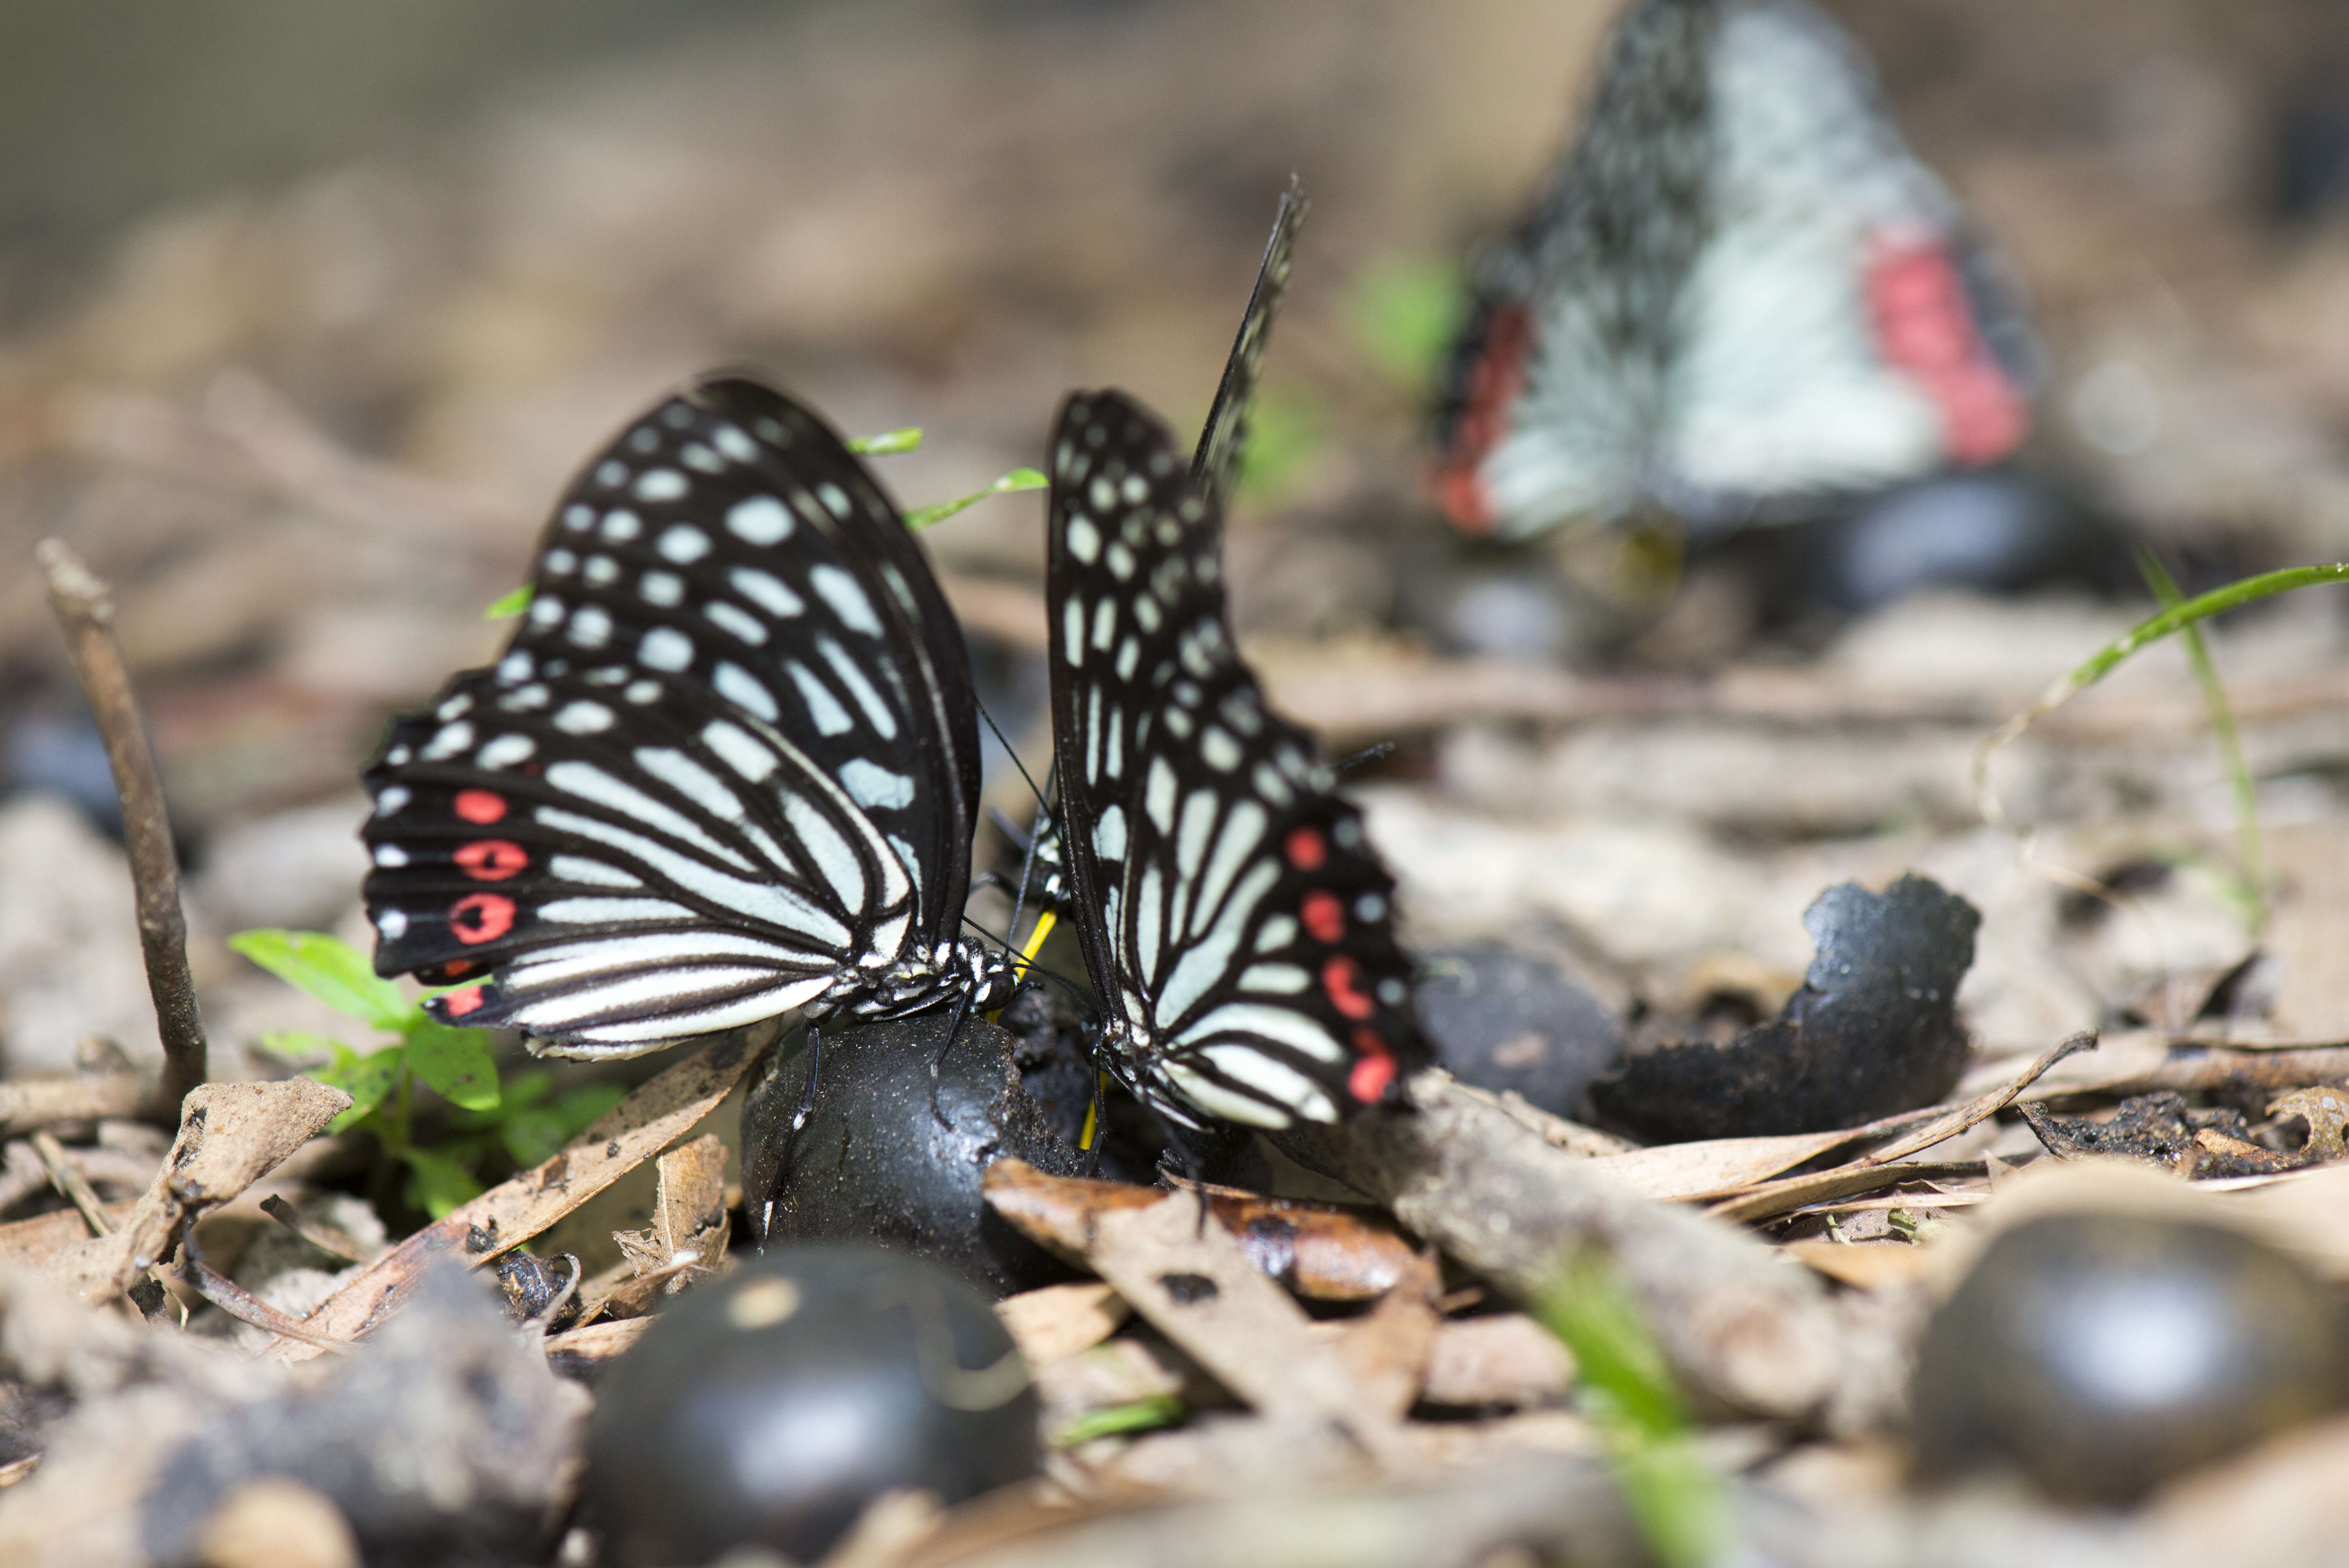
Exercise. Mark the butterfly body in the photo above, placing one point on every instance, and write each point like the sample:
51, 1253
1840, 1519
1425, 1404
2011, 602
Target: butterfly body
1740, 294
725, 770
1234, 922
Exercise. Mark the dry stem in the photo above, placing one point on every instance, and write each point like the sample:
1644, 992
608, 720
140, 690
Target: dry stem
84, 606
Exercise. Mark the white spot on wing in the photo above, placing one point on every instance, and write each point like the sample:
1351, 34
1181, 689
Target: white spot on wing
873, 786
666, 648
660, 484
761, 519
682, 543
739, 686
823, 708
767, 591
505, 751
836, 588
733, 618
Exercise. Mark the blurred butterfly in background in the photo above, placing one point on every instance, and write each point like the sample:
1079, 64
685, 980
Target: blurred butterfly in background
1236, 923
728, 768
1739, 293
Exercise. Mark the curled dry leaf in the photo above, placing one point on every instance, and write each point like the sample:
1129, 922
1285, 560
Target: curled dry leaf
1321, 1251
688, 1237
230, 1135
1058, 1320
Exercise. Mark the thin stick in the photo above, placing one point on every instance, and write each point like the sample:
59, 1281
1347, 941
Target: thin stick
84, 607
73, 1184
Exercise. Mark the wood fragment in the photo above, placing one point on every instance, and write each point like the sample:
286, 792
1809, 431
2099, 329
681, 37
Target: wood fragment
72, 1185
1743, 1332
1325, 1252
1385, 1351
1501, 1358
84, 606
584, 1352
327, 1238
660, 1111
1870, 1266
1058, 1320
31, 1103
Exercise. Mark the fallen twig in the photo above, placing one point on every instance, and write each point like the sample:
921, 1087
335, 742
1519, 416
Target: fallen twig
325, 1238
74, 1186
84, 607
1741, 1331
26, 1104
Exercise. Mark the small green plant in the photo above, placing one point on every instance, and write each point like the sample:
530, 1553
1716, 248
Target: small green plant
887, 443
1626, 1388
510, 605
1017, 479
1402, 315
521, 1124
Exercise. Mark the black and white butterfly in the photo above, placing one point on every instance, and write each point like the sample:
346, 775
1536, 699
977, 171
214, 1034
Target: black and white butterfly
1740, 292
726, 769
1235, 922
1215, 466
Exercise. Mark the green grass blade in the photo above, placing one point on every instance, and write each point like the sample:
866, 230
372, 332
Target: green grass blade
2104, 660
1141, 1416
2251, 859
511, 604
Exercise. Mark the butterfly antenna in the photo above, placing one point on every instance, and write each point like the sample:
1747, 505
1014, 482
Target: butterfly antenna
997, 730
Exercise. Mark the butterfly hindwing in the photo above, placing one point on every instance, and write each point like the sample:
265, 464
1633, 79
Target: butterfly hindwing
725, 760
1234, 920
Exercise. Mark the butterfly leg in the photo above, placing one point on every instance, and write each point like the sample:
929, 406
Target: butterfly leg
807, 1108
938, 1062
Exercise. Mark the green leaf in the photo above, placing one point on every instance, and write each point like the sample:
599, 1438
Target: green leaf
437, 1183
1141, 1416
332, 971
1016, 480
301, 1047
368, 1080
538, 1132
888, 442
511, 604
1403, 316
455, 1064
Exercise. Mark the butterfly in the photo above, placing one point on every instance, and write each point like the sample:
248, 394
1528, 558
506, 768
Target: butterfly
1235, 922
1739, 293
726, 769
1215, 466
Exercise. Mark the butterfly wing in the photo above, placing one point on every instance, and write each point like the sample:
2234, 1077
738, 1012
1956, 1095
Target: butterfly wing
1222, 441
1230, 911
1839, 323
1557, 379
1741, 293
1224, 436
727, 758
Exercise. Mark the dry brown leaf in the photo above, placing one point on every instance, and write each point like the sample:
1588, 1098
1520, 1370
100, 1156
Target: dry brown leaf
1867, 1264
1198, 1288
1386, 1350
37, 1238
1324, 1251
230, 1135
1504, 1358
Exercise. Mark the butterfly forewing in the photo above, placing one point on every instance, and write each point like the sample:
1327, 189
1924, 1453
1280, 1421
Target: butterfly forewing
1224, 438
727, 759
1234, 920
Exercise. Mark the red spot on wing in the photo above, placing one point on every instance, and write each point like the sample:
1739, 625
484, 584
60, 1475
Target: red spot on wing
1308, 850
457, 1003
492, 860
442, 973
1324, 917
1493, 381
481, 917
1342, 979
480, 807
1925, 326
1373, 1069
